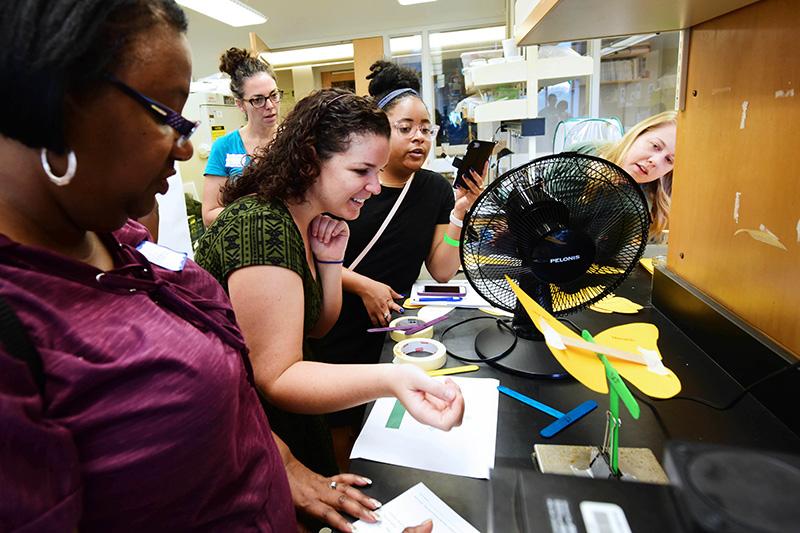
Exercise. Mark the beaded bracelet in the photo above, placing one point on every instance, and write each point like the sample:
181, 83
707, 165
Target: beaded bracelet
451, 241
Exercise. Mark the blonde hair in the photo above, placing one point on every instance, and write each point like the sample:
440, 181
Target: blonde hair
658, 191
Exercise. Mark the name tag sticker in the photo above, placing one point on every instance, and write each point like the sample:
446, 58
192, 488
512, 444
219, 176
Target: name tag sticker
235, 160
162, 256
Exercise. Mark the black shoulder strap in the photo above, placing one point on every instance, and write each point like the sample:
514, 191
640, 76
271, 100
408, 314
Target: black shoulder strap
16, 340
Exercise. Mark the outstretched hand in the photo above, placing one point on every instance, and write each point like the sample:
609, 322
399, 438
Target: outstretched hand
425, 527
436, 403
321, 498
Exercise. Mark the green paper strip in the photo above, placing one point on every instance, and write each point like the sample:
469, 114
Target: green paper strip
396, 416
615, 381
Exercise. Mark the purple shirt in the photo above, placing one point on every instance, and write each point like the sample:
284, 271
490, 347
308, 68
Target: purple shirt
150, 422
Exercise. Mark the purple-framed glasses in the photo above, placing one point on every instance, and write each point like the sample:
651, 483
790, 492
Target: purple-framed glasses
162, 113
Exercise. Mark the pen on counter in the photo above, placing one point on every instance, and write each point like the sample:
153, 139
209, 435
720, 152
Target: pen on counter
453, 370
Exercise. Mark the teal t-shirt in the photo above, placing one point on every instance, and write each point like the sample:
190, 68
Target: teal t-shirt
228, 156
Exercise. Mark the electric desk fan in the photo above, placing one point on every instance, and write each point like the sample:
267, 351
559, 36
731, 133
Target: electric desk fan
568, 229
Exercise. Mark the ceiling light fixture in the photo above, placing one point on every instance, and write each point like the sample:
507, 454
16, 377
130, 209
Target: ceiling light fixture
303, 56
231, 12
410, 2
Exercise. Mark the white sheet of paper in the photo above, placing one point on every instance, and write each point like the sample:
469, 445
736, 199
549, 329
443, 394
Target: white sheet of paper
413, 507
467, 450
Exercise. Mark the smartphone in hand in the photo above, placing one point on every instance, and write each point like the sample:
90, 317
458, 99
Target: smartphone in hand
478, 153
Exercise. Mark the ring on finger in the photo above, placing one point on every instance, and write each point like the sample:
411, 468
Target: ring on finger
333, 485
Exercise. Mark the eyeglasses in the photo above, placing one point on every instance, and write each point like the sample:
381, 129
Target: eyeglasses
406, 129
162, 113
260, 100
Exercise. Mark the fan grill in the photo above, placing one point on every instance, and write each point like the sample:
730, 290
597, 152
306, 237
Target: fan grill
582, 194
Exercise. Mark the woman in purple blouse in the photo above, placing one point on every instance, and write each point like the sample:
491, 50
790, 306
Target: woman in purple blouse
145, 418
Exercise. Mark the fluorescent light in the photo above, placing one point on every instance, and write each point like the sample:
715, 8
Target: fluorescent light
453, 39
405, 45
626, 43
410, 2
319, 54
231, 12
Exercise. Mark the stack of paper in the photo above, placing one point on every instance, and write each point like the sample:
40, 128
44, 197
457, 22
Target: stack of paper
392, 436
413, 507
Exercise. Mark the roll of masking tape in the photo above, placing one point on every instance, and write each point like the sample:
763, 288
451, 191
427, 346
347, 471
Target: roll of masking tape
427, 354
398, 336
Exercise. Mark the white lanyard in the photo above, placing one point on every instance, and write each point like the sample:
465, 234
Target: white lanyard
386, 221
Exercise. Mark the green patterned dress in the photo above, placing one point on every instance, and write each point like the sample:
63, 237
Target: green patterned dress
250, 232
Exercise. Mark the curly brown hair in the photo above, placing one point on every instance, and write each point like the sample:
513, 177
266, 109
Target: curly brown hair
320, 125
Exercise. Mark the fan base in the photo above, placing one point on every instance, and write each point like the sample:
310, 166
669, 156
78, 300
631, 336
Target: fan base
528, 358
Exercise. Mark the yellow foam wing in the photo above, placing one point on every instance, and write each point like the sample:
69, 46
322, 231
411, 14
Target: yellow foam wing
587, 368
633, 338
616, 304
583, 365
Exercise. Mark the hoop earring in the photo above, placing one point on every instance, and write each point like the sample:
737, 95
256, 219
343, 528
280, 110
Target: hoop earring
72, 165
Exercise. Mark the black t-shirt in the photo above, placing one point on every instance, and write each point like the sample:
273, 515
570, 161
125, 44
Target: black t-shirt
395, 259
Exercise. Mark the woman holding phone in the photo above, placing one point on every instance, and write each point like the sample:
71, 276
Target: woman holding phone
425, 227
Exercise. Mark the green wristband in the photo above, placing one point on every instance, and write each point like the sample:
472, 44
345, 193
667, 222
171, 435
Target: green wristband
451, 241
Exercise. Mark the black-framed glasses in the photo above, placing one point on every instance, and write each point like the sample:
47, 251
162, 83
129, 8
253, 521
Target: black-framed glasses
261, 100
161, 112
406, 129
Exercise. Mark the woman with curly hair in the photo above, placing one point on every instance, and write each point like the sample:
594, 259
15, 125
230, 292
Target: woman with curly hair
280, 260
257, 95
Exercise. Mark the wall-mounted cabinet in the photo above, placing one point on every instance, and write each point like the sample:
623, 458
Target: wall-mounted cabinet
553, 21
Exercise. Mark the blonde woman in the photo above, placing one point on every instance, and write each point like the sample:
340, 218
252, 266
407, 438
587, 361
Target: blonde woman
647, 153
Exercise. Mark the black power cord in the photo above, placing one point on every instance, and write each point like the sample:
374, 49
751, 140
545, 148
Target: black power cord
500, 324
736, 399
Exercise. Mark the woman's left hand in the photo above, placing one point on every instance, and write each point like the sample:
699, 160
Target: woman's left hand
436, 403
328, 238
325, 498
465, 197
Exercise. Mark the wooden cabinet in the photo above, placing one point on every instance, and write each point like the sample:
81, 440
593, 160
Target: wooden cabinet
552, 21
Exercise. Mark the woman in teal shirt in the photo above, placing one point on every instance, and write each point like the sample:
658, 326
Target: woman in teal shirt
257, 95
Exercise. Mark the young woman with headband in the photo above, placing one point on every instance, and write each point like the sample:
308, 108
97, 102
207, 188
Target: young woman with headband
425, 227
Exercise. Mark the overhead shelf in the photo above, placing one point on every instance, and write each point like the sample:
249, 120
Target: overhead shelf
502, 110
549, 71
498, 74
554, 21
